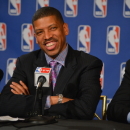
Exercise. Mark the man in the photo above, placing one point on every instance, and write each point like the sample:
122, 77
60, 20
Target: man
77, 80
1, 74
119, 108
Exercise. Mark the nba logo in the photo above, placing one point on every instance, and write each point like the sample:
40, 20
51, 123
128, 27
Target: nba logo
2, 36
11, 64
71, 8
102, 77
100, 8
122, 70
113, 39
126, 8
84, 36
27, 39
41, 3
14, 7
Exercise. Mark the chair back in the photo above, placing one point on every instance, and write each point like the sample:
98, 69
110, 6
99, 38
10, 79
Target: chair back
104, 108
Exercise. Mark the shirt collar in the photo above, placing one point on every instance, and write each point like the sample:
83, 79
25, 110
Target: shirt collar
60, 58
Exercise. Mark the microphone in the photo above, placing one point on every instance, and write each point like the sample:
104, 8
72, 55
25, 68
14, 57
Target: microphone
42, 77
41, 81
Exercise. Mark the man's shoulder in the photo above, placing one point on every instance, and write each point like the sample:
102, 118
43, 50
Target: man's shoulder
128, 61
85, 56
30, 56
128, 64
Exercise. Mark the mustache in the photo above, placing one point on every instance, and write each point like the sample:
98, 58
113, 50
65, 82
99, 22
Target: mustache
50, 40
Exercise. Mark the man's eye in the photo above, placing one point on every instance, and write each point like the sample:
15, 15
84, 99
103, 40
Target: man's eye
38, 33
53, 28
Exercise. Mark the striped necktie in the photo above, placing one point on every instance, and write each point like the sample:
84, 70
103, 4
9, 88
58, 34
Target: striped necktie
53, 72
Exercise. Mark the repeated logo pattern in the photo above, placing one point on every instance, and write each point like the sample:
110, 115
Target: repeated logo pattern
3, 34
41, 3
14, 7
27, 39
11, 64
100, 8
102, 77
84, 37
122, 70
126, 8
71, 8
113, 40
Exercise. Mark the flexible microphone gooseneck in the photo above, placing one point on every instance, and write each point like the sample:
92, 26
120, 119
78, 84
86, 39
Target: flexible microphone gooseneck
41, 80
39, 119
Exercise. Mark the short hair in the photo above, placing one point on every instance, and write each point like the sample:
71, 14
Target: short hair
47, 11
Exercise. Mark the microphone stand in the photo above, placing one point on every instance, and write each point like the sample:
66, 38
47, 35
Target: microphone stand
40, 119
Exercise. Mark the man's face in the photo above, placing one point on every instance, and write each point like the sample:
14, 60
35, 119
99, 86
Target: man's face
51, 34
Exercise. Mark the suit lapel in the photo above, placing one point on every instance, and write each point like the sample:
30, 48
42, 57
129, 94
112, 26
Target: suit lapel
66, 72
40, 61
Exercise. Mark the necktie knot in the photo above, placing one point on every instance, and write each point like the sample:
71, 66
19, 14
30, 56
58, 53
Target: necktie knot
53, 64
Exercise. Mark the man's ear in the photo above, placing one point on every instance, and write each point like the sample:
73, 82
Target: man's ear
66, 28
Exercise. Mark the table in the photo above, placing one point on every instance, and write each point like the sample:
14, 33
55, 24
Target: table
71, 124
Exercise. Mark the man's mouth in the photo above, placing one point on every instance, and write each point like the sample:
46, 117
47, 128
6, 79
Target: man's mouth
50, 44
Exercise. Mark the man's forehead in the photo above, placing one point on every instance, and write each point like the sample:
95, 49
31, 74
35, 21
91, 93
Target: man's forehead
45, 21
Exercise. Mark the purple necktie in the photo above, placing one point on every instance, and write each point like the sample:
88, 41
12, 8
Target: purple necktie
53, 73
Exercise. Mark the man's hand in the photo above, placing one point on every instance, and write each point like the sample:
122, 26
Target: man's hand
21, 88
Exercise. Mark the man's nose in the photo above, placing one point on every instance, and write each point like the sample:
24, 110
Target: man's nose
47, 35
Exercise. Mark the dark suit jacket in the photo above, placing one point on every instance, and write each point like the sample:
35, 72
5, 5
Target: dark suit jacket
1, 74
119, 107
79, 80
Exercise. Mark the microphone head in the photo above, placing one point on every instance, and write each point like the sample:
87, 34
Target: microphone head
46, 73
1, 74
41, 79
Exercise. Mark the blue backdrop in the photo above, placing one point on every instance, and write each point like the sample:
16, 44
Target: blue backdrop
98, 27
